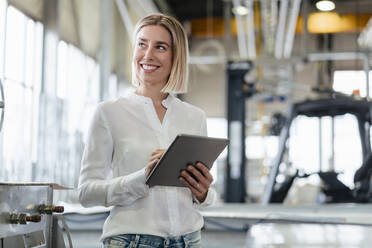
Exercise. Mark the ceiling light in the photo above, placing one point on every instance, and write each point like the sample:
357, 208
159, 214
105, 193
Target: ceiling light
240, 10
325, 5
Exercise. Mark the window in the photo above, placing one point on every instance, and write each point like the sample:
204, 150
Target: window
348, 81
311, 152
217, 127
21, 50
36, 144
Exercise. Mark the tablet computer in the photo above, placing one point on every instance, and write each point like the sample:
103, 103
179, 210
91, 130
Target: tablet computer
185, 150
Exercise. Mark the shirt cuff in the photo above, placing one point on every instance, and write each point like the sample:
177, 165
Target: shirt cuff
209, 200
136, 183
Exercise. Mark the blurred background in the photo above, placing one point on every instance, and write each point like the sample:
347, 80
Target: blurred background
288, 81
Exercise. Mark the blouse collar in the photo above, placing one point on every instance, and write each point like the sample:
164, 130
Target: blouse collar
147, 100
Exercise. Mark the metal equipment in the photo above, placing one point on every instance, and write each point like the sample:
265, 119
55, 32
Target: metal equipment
26, 216
238, 91
333, 106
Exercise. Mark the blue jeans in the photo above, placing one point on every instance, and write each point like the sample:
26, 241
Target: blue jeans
191, 240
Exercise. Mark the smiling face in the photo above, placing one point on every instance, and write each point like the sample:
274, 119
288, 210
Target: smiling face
152, 59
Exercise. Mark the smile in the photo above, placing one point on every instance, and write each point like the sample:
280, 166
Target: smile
149, 68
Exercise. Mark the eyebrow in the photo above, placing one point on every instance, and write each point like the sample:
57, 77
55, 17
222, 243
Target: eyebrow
157, 42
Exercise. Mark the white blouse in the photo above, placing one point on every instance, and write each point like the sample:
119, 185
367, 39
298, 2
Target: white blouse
122, 136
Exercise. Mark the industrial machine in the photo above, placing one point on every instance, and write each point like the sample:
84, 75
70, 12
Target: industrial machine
334, 189
26, 216
238, 90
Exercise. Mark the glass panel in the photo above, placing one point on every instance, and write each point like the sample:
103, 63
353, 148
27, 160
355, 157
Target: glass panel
348, 81
217, 127
327, 143
348, 150
3, 5
30, 53
304, 144
17, 132
62, 70
39, 29
15, 44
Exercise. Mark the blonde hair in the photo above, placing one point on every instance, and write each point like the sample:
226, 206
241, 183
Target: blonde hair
177, 81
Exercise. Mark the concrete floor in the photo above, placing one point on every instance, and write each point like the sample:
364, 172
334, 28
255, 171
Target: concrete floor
331, 226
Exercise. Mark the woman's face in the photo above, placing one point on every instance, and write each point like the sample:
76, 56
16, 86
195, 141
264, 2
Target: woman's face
153, 55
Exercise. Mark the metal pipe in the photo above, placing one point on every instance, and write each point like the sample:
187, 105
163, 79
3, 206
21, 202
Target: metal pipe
365, 37
337, 56
125, 18
320, 144
366, 71
305, 36
332, 162
281, 28
250, 30
345, 56
264, 23
105, 51
241, 37
227, 21
273, 23
291, 28
207, 60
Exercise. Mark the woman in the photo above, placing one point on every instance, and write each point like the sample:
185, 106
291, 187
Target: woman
128, 136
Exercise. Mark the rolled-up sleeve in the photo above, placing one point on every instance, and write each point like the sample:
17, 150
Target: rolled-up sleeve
96, 188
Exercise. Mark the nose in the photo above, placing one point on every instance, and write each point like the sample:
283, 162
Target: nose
149, 53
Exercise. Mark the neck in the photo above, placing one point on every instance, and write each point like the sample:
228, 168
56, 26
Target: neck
151, 91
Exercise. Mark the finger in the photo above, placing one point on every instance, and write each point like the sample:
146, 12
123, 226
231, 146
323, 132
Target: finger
157, 156
196, 173
198, 186
158, 151
204, 169
188, 185
150, 166
205, 181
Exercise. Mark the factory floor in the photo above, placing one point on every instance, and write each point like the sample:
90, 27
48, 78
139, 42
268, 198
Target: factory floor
319, 226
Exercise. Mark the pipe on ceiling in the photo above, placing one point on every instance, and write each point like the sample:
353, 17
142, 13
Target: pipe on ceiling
241, 37
291, 28
281, 28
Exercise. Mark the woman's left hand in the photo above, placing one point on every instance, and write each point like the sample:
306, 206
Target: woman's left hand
198, 179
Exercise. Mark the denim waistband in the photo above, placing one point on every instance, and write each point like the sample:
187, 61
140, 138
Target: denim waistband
133, 240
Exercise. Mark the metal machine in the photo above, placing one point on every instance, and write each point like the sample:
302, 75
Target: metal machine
238, 92
26, 216
332, 106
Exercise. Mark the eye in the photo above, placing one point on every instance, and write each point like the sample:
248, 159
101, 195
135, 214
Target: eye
160, 47
141, 44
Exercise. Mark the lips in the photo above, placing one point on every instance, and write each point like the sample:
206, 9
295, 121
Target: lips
149, 68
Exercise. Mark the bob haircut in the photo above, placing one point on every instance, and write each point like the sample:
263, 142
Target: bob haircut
177, 80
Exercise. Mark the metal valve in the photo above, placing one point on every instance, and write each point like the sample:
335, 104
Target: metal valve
50, 209
23, 218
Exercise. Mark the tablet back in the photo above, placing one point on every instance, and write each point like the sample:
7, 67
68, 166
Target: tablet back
185, 150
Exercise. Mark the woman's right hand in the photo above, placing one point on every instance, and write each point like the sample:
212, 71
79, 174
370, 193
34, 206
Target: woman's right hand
154, 159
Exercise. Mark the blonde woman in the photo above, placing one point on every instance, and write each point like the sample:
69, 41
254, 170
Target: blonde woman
127, 137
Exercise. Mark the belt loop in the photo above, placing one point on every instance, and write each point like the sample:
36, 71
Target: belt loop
136, 240
185, 241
